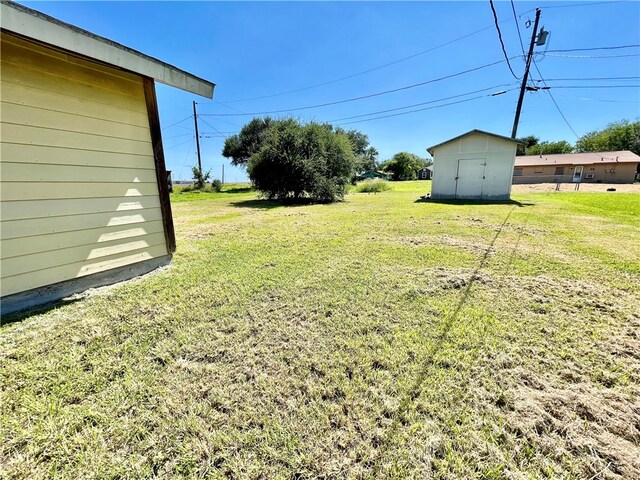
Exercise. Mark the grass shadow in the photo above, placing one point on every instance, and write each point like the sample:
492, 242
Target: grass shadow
268, 204
262, 204
21, 315
475, 202
238, 190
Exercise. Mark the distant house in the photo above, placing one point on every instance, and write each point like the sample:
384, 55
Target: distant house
594, 167
425, 173
371, 174
476, 165
84, 191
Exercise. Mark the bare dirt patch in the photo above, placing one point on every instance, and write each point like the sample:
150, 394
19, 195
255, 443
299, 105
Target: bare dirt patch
584, 187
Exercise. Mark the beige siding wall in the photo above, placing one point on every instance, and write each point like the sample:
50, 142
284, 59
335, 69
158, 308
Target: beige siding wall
602, 172
77, 175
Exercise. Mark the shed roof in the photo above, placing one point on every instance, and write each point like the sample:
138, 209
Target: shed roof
472, 132
585, 158
35, 25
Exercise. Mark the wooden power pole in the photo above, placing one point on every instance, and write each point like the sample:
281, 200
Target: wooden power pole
195, 119
525, 77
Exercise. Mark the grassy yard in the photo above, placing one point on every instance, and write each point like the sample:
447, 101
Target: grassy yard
375, 338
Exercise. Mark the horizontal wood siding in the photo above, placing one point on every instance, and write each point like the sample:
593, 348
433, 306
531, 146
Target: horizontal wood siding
78, 183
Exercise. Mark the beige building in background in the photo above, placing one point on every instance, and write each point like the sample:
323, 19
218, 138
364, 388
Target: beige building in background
83, 185
593, 167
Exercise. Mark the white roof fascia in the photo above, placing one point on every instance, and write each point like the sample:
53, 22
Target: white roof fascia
43, 28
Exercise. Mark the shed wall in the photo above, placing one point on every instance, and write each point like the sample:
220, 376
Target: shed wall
77, 174
499, 155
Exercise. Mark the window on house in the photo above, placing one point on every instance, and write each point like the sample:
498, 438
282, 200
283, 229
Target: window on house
517, 172
559, 171
537, 170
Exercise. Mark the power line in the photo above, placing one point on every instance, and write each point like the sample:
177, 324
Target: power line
554, 101
329, 82
595, 86
600, 99
515, 19
178, 144
214, 128
417, 110
589, 56
617, 47
569, 5
174, 124
362, 97
422, 103
573, 5
504, 51
588, 79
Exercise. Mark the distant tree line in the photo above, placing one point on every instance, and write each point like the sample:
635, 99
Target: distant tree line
622, 135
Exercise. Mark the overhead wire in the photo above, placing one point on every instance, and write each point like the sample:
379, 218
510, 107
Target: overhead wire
616, 47
515, 19
504, 51
553, 55
595, 86
178, 122
589, 4
363, 72
554, 100
422, 103
214, 128
362, 97
417, 110
586, 79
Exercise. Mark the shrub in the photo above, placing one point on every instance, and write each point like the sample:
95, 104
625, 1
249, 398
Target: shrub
200, 178
372, 186
298, 161
216, 185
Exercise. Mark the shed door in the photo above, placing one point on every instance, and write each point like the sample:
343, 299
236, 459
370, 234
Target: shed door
470, 178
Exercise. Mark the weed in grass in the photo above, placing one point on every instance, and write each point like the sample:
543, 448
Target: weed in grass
375, 185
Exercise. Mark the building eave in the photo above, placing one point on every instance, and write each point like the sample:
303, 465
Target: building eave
29, 23
471, 132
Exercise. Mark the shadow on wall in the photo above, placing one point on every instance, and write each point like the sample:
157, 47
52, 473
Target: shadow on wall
90, 247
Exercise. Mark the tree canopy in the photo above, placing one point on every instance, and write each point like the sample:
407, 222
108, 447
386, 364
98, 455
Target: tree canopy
622, 135
366, 156
404, 165
289, 160
549, 148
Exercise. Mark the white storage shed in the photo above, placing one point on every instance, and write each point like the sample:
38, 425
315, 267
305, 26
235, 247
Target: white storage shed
476, 165
83, 186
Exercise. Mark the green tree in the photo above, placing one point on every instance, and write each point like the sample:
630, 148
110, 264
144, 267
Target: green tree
239, 148
404, 165
302, 161
530, 141
622, 135
549, 148
200, 178
366, 155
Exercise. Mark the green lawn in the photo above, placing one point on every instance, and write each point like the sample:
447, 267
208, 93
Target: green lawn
379, 337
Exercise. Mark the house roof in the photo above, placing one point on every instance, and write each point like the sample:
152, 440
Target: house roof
472, 132
585, 158
35, 25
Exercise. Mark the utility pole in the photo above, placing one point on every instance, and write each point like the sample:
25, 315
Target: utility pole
223, 173
195, 119
525, 77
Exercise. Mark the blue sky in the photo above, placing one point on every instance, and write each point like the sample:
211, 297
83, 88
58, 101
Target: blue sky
253, 50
